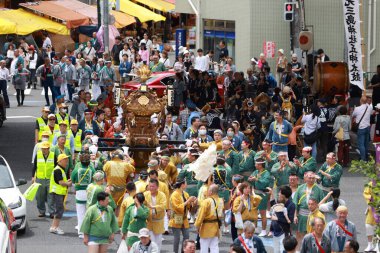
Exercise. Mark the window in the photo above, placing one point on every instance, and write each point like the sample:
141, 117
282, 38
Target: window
5, 179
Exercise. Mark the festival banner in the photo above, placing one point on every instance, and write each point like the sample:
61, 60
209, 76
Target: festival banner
353, 41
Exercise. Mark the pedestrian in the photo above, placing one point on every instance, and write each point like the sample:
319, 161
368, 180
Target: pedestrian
301, 198
156, 201
19, 80
95, 187
351, 246
281, 63
316, 241
58, 77
314, 212
341, 230
282, 170
311, 126
45, 72
125, 68
248, 239
81, 177
58, 188
343, 121
329, 173
70, 76
134, 219
246, 205
32, 66
84, 75
115, 51
329, 208
290, 244
51, 127
4, 78
107, 75
209, 221
156, 66
43, 167
130, 192
188, 246
282, 216
279, 131
99, 225
60, 148
260, 180
145, 244
180, 204
362, 117
370, 221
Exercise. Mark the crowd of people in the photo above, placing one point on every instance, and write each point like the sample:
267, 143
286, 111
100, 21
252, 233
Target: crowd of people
262, 172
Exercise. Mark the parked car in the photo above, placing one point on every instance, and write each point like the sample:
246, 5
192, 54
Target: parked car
8, 229
159, 82
11, 195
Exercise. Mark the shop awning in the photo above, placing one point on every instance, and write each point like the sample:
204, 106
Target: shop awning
158, 5
22, 22
68, 17
139, 12
122, 19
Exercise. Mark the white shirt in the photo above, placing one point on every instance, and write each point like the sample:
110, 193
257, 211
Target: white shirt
4, 74
358, 113
202, 63
311, 124
166, 62
148, 43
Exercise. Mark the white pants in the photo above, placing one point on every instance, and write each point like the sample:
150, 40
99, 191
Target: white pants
65, 91
209, 243
278, 247
157, 238
81, 208
166, 223
96, 91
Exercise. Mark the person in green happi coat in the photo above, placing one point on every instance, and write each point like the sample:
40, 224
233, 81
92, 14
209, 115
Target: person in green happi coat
223, 178
301, 198
192, 188
267, 154
246, 160
260, 181
95, 187
99, 225
329, 174
282, 170
134, 219
305, 163
231, 157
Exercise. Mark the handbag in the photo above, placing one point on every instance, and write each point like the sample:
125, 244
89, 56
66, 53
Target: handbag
123, 248
227, 217
238, 221
355, 126
340, 134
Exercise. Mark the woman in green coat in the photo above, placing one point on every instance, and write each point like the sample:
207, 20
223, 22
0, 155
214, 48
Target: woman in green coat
134, 220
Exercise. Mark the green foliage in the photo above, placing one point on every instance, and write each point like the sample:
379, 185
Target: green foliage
372, 172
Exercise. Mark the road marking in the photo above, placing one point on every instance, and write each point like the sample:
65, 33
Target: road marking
20, 117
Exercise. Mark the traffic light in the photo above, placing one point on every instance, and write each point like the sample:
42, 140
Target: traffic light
289, 11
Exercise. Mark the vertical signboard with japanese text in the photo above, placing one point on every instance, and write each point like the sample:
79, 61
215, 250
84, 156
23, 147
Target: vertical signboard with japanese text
269, 49
353, 41
180, 39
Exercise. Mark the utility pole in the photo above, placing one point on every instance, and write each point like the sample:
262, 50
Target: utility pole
105, 22
99, 10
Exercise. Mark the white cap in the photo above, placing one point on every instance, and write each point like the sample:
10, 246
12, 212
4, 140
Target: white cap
307, 149
281, 51
262, 55
282, 153
253, 60
377, 106
294, 55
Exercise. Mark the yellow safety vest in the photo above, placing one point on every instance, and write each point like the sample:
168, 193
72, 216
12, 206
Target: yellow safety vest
57, 188
68, 136
55, 131
41, 125
44, 168
60, 119
77, 140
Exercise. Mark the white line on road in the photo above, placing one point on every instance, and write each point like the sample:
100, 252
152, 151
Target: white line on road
20, 117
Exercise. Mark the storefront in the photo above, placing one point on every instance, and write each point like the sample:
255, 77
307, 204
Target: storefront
216, 31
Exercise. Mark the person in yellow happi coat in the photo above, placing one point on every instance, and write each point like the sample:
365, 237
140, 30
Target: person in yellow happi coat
180, 204
246, 204
142, 183
314, 212
156, 201
169, 168
118, 173
131, 191
209, 220
162, 176
218, 136
370, 221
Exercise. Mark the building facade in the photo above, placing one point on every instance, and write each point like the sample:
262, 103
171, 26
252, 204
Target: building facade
246, 24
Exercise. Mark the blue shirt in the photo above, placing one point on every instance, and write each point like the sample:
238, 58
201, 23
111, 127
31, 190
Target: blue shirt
192, 115
125, 68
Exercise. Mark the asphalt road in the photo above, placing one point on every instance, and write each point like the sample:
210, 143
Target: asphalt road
16, 145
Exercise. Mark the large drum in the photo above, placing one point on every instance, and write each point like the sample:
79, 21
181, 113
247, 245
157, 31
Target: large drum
331, 78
